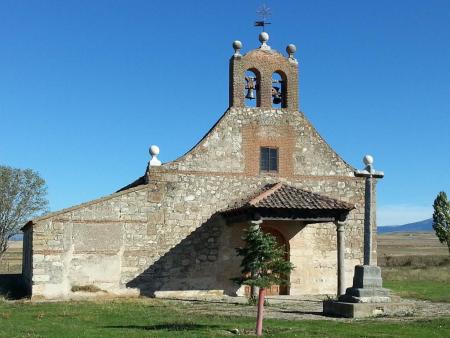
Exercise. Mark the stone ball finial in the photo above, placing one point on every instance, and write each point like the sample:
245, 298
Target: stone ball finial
291, 49
237, 46
263, 37
368, 160
154, 150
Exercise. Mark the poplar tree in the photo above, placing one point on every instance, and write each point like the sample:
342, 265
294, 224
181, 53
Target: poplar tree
441, 218
263, 265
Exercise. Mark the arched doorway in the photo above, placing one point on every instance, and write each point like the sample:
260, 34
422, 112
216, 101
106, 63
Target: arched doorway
275, 290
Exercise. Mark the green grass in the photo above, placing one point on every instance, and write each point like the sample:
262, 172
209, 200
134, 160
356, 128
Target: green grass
156, 318
426, 283
434, 291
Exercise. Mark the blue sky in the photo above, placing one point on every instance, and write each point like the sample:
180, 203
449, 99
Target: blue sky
87, 86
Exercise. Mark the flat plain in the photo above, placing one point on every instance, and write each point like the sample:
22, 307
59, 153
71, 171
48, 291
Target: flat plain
410, 244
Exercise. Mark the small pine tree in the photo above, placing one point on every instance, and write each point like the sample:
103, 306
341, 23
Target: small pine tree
263, 265
441, 218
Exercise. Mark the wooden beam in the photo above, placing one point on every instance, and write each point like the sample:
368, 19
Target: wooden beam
303, 219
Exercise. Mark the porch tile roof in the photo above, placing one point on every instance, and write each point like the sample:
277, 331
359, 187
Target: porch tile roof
282, 196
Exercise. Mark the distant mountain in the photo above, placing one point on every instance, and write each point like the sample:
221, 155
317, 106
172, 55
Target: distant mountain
422, 226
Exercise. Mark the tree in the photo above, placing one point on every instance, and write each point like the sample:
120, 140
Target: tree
263, 265
441, 218
22, 197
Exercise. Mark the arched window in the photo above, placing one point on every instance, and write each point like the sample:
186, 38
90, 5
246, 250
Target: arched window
279, 90
252, 92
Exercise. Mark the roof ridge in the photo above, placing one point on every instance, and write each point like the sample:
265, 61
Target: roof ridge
265, 194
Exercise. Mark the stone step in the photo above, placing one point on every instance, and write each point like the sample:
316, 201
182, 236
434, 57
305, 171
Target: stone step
364, 310
368, 292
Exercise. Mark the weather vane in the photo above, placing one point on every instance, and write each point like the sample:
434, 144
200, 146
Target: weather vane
264, 13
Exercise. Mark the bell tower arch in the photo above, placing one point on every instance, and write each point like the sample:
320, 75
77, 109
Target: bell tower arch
268, 91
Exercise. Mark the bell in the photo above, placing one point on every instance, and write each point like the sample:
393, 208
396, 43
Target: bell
250, 94
276, 94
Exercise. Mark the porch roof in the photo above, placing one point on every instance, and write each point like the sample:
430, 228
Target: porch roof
280, 201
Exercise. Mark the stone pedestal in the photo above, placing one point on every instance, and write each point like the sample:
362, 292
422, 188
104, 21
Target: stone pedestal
366, 298
367, 286
365, 310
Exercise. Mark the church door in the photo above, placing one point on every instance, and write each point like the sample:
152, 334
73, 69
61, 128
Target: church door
275, 290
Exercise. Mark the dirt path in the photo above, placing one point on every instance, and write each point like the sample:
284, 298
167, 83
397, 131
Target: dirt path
296, 308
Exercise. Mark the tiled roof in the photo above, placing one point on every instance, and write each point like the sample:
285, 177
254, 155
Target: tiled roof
282, 196
139, 181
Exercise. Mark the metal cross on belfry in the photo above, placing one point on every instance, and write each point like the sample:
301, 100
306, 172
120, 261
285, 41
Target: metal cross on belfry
265, 13
369, 173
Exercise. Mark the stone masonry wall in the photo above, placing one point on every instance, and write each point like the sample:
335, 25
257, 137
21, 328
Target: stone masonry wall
134, 240
233, 145
166, 235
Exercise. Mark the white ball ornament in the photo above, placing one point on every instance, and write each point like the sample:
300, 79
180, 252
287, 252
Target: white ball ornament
263, 37
154, 150
237, 45
368, 160
291, 49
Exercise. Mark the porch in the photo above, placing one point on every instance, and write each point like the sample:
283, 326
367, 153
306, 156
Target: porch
310, 226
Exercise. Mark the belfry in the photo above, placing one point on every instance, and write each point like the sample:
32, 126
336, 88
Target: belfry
258, 68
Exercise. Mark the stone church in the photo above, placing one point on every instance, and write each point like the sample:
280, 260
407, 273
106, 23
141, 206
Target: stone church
174, 230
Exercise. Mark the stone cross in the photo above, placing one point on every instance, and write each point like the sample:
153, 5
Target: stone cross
369, 173
367, 282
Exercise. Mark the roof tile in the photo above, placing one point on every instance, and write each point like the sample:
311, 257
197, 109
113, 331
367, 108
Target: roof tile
282, 196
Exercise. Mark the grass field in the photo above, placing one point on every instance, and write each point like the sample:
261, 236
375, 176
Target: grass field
424, 282
415, 265
157, 318
420, 289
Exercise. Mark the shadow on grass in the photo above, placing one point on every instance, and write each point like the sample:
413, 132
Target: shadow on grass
11, 286
165, 327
